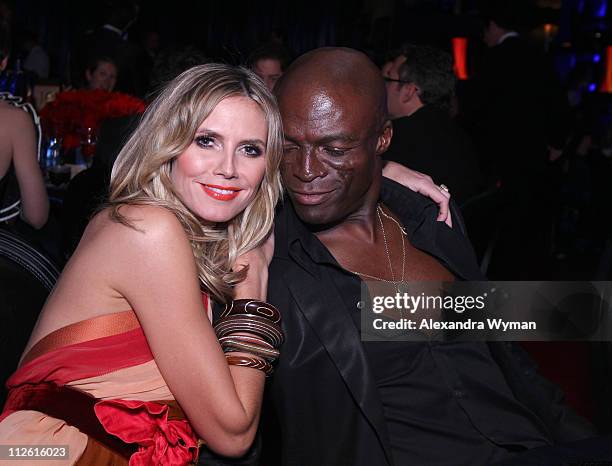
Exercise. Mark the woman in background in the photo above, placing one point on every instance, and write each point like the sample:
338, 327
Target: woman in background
101, 73
22, 189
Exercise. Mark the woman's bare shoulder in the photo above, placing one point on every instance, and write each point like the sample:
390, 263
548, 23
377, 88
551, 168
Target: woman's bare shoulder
14, 116
147, 227
116, 254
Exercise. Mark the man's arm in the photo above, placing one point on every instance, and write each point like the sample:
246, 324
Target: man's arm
540, 395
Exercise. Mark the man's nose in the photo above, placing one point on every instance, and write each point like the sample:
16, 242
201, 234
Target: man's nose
309, 166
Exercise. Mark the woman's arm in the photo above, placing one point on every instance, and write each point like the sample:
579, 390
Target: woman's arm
421, 183
157, 275
34, 200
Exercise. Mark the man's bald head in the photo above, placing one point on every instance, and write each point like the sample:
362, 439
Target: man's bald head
333, 106
337, 70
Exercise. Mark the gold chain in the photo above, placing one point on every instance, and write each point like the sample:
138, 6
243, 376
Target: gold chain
394, 282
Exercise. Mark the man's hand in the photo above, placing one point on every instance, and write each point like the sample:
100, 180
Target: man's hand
423, 184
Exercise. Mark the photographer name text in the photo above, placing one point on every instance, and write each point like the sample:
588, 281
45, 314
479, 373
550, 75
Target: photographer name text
469, 324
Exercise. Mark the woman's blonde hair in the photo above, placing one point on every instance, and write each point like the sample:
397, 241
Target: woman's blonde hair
141, 174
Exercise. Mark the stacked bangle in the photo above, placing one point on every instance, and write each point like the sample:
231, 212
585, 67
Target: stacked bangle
261, 323
253, 307
234, 343
269, 331
246, 361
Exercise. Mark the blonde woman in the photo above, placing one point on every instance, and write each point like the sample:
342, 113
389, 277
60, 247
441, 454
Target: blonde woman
123, 364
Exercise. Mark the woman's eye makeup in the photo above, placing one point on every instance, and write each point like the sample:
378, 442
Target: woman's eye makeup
253, 150
204, 141
207, 141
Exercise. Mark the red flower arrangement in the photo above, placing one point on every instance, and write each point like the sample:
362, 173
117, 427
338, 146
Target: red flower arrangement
73, 111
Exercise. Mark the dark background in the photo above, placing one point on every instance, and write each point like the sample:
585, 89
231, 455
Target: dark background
229, 30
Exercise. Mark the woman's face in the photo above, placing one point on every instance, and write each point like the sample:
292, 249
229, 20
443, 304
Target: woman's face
220, 172
103, 77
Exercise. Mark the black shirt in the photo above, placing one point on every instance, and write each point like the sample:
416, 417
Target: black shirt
419, 384
431, 142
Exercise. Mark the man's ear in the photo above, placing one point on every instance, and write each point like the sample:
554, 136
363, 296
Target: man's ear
386, 68
384, 138
408, 92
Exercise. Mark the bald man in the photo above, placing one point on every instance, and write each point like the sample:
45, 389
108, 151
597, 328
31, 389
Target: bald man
335, 399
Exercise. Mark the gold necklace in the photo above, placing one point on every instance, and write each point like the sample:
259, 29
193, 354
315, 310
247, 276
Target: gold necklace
393, 281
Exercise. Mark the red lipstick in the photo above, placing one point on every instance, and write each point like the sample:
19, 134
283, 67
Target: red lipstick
221, 193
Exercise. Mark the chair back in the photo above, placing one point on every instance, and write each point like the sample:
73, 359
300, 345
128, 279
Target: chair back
26, 278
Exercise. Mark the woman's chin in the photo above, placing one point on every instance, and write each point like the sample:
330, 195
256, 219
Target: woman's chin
220, 214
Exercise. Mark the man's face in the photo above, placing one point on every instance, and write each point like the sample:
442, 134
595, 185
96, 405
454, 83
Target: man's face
269, 70
391, 70
330, 152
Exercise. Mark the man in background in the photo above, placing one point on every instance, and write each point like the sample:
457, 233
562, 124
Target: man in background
420, 85
111, 40
518, 118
